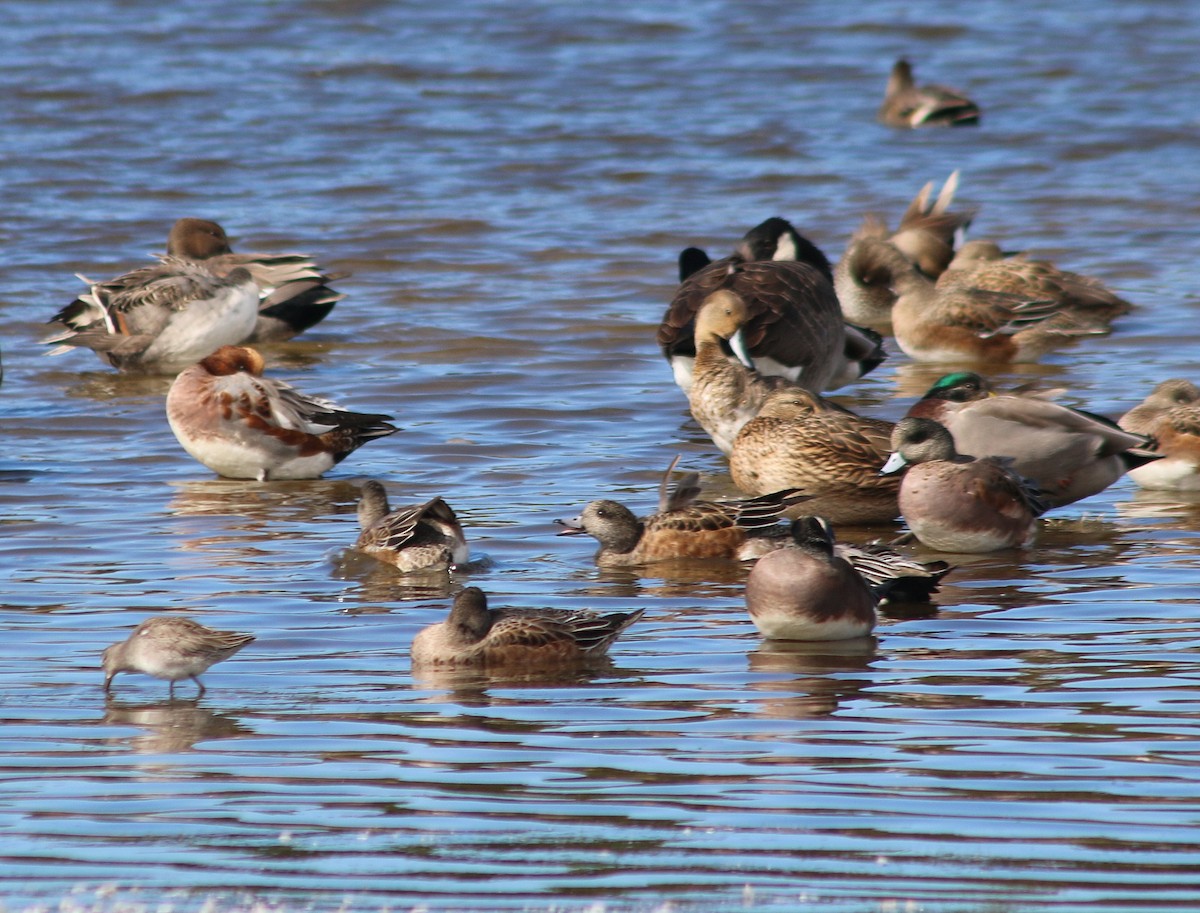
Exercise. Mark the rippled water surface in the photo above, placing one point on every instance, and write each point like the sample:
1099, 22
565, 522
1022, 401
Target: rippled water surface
509, 185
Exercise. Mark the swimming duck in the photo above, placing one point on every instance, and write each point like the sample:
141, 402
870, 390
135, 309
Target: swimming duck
294, 293
1067, 453
1171, 416
161, 318
242, 425
907, 105
801, 441
957, 503
474, 635
419, 537
683, 527
795, 327
171, 647
983, 265
808, 592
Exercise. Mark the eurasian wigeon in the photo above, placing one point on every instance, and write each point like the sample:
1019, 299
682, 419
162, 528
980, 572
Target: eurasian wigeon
474, 635
242, 425
957, 503
1067, 453
682, 527
418, 537
1171, 416
171, 647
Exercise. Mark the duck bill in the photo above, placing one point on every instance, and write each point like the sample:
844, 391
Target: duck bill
894, 463
572, 527
737, 342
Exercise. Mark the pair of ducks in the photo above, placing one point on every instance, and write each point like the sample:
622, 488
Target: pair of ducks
198, 297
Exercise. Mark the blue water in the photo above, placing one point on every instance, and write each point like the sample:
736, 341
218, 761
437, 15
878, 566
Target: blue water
509, 186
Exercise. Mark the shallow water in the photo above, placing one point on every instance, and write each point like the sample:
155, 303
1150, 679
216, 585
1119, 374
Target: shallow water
509, 187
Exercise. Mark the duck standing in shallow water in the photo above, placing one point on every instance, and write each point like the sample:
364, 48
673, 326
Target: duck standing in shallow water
474, 635
293, 292
956, 503
161, 318
683, 527
419, 537
242, 425
1171, 416
171, 647
907, 105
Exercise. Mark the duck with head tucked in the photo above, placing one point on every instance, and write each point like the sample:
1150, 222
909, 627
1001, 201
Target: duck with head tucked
418, 537
1170, 415
242, 425
794, 327
1068, 454
801, 441
956, 503
907, 105
475, 636
683, 527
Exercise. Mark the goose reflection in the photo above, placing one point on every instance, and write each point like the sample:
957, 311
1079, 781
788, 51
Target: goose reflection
171, 726
818, 681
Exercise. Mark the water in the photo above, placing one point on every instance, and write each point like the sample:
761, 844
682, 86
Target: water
509, 186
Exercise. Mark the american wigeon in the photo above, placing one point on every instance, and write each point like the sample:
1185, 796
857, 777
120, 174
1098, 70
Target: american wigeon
957, 503
418, 537
795, 328
294, 293
161, 318
1080, 299
800, 441
907, 105
242, 425
1067, 453
808, 592
474, 635
683, 527
172, 648
1171, 416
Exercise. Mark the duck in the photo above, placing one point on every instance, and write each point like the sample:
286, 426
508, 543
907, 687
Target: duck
926, 238
956, 324
982, 264
418, 537
243, 425
907, 105
171, 647
293, 292
802, 441
1170, 415
726, 391
1069, 454
795, 328
956, 503
474, 635
683, 527
161, 318
807, 591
